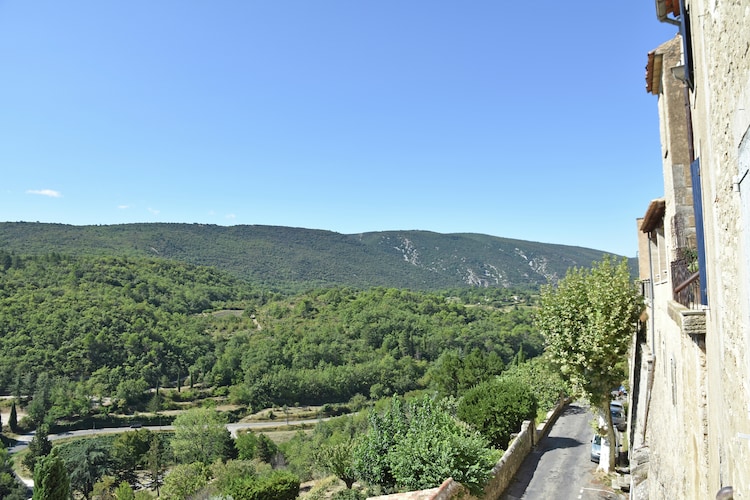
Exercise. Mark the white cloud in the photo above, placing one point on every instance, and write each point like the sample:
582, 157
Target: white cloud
45, 192
123, 207
154, 211
230, 216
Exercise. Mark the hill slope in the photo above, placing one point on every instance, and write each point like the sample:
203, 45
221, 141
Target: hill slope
294, 258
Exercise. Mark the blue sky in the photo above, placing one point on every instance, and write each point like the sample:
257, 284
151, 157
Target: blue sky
514, 119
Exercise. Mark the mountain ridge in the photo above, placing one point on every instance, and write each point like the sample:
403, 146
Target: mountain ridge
294, 258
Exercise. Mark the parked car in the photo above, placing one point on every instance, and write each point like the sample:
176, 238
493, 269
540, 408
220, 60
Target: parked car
619, 420
596, 448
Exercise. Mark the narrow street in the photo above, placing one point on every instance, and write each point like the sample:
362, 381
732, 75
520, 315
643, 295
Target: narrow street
560, 466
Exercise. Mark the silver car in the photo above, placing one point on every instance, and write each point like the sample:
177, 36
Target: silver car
618, 418
596, 448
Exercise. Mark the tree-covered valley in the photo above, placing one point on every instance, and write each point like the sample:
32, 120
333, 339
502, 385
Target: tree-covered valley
111, 325
86, 340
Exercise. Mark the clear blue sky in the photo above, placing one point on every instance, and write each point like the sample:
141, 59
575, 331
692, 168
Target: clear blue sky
525, 120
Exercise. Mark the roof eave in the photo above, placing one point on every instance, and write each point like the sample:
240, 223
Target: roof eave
654, 216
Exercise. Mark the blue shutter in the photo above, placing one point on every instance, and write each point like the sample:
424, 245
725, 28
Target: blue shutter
695, 174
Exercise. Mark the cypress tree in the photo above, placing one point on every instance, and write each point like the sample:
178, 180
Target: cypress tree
13, 420
51, 480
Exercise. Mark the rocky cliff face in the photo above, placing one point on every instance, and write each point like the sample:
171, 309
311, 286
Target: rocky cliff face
486, 261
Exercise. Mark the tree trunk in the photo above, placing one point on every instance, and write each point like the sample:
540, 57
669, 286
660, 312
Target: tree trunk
611, 437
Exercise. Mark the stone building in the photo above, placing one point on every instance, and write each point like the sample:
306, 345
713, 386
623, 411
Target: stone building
690, 369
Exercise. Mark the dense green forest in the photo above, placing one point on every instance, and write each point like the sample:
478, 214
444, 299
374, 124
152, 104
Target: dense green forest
87, 339
298, 259
113, 327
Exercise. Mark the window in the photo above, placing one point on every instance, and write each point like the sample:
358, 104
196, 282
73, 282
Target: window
687, 44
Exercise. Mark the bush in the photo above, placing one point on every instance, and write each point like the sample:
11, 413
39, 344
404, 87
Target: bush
26, 425
542, 378
247, 445
497, 408
418, 445
184, 480
349, 495
277, 485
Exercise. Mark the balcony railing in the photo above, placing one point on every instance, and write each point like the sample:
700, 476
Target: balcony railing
686, 283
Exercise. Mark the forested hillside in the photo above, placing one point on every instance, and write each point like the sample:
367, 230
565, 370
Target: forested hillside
108, 318
115, 326
285, 258
87, 341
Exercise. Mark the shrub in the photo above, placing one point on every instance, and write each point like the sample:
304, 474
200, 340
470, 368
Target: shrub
277, 485
542, 378
418, 445
349, 495
184, 480
497, 408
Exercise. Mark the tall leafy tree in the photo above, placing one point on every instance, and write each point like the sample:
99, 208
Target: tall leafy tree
338, 459
128, 451
87, 462
199, 436
247, 445
543, 378
41, 402
156, 462
588, 320
185, 480
51, 480
266, 449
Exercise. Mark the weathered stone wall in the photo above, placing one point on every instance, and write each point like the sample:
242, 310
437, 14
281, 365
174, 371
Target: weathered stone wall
721, 111
506, 468
675, 423
697, 422
671, 410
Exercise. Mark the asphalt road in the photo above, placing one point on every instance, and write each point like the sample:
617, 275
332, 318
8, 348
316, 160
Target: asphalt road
23, 441
560, 466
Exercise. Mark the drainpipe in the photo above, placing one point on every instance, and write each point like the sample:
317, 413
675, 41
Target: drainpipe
689, 119
651, 362
651, 295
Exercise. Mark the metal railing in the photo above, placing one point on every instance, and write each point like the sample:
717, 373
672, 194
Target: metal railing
686, 284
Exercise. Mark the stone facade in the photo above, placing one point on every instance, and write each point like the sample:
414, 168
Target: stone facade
691, 387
